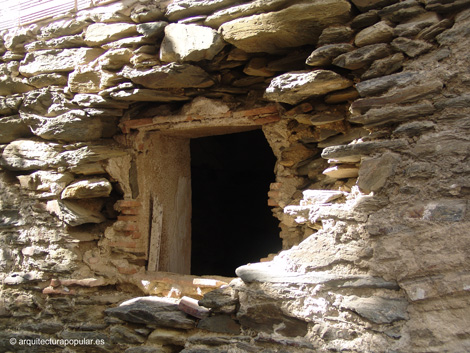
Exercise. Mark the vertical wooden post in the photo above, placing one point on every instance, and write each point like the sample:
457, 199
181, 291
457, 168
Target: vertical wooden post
155, 236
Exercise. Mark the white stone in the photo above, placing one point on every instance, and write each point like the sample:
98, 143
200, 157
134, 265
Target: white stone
340, 172
100, 33
189, 42
89, 188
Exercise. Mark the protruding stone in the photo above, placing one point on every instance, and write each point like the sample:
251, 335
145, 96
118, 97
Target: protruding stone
363, 56
401, 11
53, 61
342, 171
381, 84
365, 5
115, 59
153, 311
295, 87
12, 128
75, 41
154, 30
10, 105
46, 181
71, 126
47, 80
74, 214
170, 76
100, 33
188, 8
335, 34
381, 32
364, 20
411, 47
14, 85
377, 309
384, 67
352, 153
88, 188
324, 55
148, 95
414, 26
272, 32
190, 43
374, 172
86, 79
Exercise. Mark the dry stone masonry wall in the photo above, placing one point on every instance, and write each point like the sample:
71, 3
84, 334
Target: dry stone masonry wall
366, 106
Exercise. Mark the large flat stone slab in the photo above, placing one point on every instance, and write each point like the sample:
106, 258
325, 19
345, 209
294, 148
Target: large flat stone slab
100, 33
273, 32
153, 311
295, 87
56, 60
172, 75
179, 9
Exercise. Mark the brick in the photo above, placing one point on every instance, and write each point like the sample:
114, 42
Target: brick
127, 125
130, 211
136, 235
267, 119
128, 203
273, 194
128, 218
127, 270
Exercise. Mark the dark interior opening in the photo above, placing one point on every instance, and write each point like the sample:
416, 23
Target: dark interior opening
232, 224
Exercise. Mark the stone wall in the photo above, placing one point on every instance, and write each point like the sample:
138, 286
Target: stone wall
366, 108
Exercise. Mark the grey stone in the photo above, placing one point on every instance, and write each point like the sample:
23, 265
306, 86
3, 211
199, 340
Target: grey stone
220, 299
374, 172
414, 128
393, 114
170, 76
431, 32
347, 153
216, 19
335, 34
453, 35
154, 30
56, 60
122, 334
153, 311
10, 218
324, 55
46, 80
445, 210
401, 11
88, 188
365, 20
380, 32
410, 93
295, 87
365, 5
410, 47
351, 135
264, 315
147, 95
272, 32
132, 43
377, 309
146, 13
220, 324
12, 128
188, 8
101, 33
445, 6
384, 67
12, 85
460, 101
361, 57
50, 327
75, 41
413, 26
190, 43
73, 125
381, 84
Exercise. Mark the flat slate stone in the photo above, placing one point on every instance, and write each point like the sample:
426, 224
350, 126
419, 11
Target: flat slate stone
361, 57
380, 32
12, 128
189, 8
384, 67
57, 60
147, 95
374, 172
88, 188
220, 324
324, 55
411, 47
272, 32
349, 153
172, 75
152, 311
295, 87
377, 309
100, 33
381, 84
